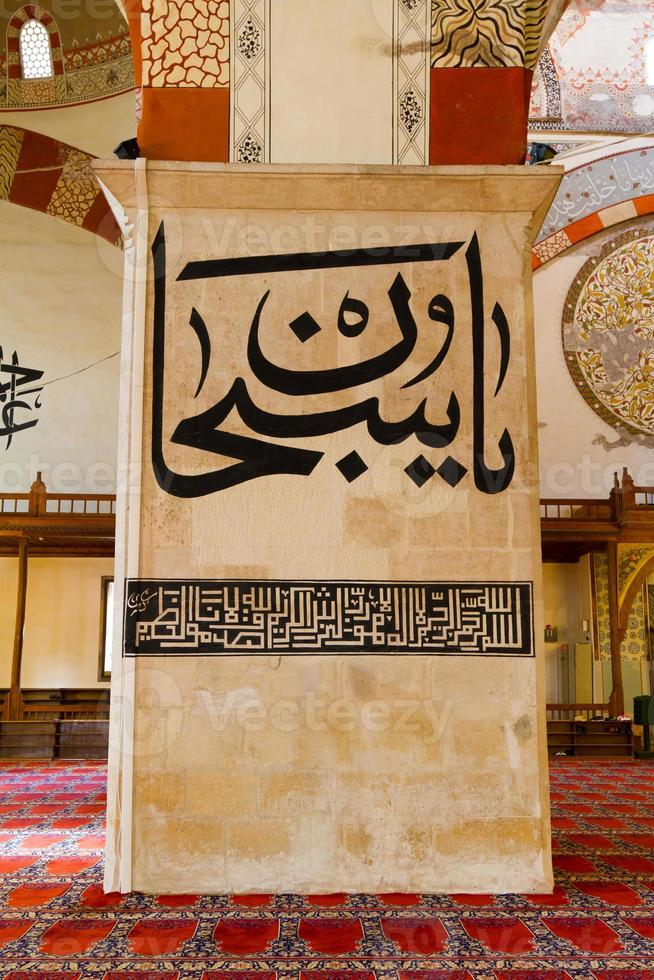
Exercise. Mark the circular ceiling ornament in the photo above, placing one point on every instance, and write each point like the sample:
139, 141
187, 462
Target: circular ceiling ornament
608, 333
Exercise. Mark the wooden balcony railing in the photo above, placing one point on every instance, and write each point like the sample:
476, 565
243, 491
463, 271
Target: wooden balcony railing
68, 524
65, 712
60, 704
644, 496
576, 510
39, 503
571, 527
80, 503
14, 503
568, 712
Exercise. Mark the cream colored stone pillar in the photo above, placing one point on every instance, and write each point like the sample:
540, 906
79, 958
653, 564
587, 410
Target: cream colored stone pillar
329, 531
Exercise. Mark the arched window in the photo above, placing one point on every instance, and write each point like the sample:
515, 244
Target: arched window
35, 50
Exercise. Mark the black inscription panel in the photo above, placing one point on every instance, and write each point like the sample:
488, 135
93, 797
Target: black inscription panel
213, 618
257, 454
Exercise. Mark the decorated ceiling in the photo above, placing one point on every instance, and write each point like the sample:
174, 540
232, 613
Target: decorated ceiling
599, 73
91, 54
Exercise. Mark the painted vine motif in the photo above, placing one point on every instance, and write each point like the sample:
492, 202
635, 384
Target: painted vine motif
603, 638
608, 334
634, 645
630, 558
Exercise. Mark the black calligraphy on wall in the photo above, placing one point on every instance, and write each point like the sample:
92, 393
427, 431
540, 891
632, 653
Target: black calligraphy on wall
212, 618
255, 457
19, 397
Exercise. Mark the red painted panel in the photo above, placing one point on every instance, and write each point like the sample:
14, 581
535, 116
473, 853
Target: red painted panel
479, 115
185, 124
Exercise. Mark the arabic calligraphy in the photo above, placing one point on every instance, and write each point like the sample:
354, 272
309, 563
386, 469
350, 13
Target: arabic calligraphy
210, 430
233, 618
137, 602
588, 189
19, 398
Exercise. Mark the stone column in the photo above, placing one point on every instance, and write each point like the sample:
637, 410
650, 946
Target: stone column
328, 669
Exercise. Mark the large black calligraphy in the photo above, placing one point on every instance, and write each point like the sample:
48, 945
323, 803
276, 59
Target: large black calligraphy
255, 457
19, 397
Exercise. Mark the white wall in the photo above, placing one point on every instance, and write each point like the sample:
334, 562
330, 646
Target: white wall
60, 309
560, 611
97, 127
8, 596
62, 622
331, 81
567, 601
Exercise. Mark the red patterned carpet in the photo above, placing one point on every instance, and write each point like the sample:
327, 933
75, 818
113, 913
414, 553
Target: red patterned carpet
56, 922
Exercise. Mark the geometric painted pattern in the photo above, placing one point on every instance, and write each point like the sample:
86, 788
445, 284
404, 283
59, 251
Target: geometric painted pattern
101, 52
185, 72
601, 593
545, 108
634, 643
76, 189
411, 41
631, 559
250, 82
552, 246
185, 45
608, 333
597, 221
46, 175
56, 921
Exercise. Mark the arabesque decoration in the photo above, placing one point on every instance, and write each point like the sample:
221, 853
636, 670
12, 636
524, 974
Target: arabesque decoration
608, 333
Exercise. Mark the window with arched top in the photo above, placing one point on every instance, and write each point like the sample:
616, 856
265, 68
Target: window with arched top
35, 59
35, 50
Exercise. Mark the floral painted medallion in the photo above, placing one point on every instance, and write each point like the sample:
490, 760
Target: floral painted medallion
608, 333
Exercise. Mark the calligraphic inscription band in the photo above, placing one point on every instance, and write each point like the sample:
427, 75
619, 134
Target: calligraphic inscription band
193, 617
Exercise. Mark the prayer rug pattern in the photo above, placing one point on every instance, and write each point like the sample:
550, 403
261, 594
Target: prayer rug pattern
56, 922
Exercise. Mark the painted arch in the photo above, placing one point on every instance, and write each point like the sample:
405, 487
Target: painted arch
595, 196
43, 174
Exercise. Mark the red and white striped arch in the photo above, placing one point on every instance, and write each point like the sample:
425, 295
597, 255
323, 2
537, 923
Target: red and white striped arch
32, 11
